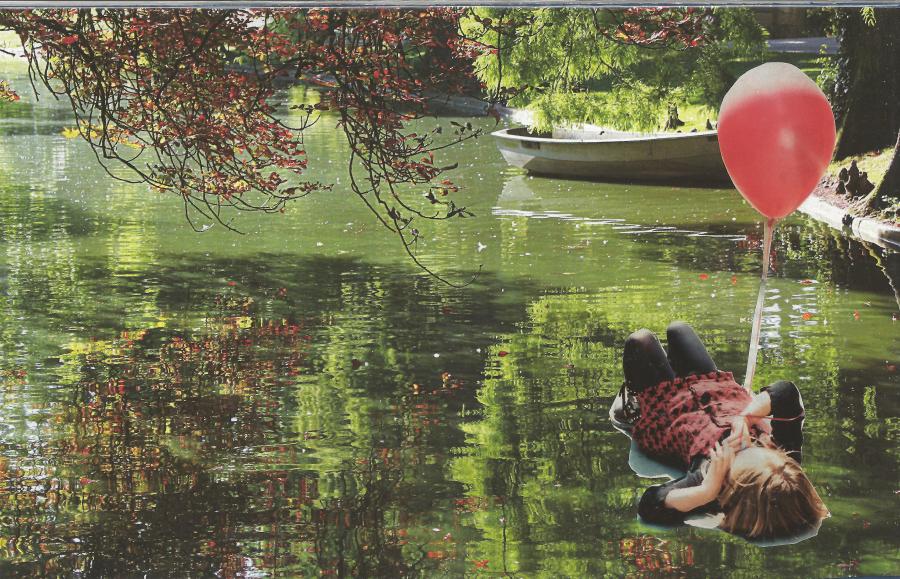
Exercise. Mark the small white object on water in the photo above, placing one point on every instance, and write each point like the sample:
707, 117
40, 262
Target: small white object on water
436, 355
319, 244
481, 247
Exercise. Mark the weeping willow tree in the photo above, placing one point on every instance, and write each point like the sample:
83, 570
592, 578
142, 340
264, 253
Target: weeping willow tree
620, 68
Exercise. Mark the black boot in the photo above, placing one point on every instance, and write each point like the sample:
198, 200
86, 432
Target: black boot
625, 409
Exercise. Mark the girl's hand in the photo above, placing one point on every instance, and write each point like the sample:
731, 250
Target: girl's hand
720, 463
739, 438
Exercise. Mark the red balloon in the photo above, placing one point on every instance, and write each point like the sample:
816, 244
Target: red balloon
776, 135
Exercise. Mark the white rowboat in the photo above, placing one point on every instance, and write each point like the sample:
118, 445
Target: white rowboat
675, 158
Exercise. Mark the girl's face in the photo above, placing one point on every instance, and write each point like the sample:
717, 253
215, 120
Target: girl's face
754, 458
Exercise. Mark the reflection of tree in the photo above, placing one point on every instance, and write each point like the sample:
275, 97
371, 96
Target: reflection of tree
251, 435
149, 414
542, 453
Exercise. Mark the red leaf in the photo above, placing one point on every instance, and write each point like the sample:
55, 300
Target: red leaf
704, 276
855, 314
69, 40
806, 282
807, 315
734, 280
355, 363
232, 283
502, 353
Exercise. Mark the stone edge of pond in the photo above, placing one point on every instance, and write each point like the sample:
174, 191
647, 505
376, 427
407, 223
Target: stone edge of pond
863, 228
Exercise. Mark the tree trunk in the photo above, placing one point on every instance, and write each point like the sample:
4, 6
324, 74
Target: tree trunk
890, 184
866, 96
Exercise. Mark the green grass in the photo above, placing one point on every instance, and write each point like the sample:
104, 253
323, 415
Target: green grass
695, 116
875, 163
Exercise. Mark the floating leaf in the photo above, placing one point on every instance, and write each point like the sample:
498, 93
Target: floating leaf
704, 276
503, 353
807, 315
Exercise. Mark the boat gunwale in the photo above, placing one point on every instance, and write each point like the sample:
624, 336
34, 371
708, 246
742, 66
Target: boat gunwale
627, 137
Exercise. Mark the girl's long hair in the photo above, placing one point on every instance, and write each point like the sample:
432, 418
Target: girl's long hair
774, 500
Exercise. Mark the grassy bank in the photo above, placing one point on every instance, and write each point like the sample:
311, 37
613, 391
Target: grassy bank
875, 163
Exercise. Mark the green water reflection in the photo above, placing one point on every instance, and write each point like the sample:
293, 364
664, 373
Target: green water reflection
301, 400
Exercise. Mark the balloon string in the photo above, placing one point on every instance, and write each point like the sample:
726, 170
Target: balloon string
757, 314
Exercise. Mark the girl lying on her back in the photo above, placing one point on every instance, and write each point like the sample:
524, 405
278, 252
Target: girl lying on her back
742, 452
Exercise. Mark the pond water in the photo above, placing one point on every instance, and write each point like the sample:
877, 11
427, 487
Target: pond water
302, 400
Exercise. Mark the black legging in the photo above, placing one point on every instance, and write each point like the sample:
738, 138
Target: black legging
646, 363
